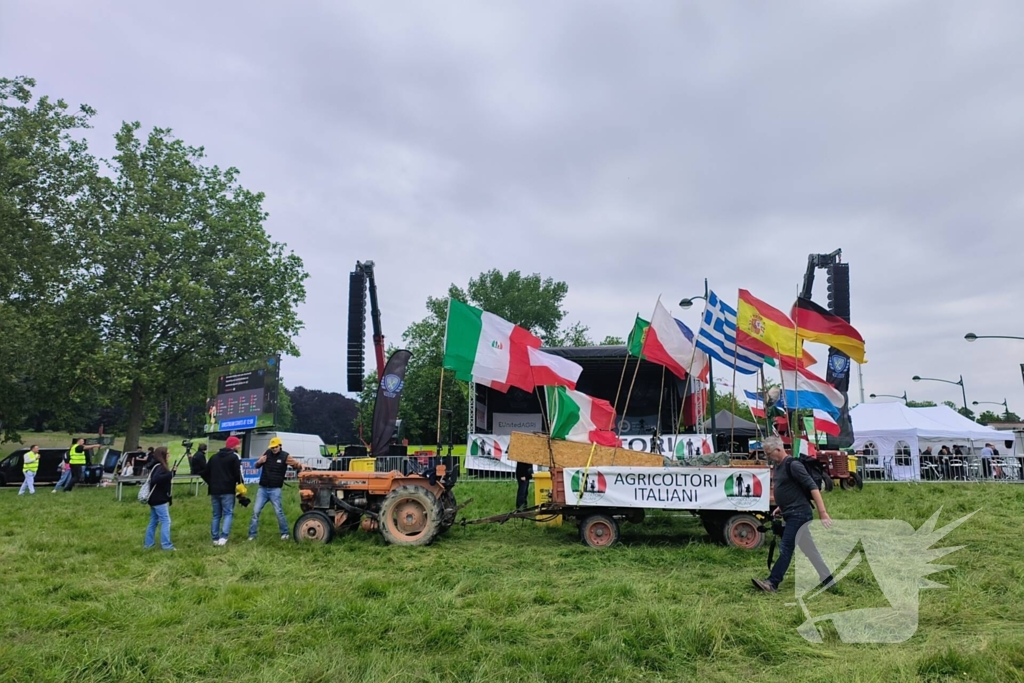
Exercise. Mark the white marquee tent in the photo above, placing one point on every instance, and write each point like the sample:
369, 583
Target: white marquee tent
898, 434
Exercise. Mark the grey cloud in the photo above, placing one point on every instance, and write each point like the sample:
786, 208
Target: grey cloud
629, 149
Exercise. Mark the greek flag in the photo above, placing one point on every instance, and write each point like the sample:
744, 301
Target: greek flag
717, 337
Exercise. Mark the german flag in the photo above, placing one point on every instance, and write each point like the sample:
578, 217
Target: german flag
814, 323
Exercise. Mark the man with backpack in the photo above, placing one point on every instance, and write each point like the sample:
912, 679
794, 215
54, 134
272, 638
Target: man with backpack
794, 490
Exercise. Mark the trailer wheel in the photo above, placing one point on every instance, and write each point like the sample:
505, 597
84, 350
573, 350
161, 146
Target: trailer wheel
715, 526
313, 526
410, 515
743, 531
599, 531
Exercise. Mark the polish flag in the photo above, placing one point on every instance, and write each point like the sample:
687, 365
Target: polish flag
665, 344
551, 370
824, 423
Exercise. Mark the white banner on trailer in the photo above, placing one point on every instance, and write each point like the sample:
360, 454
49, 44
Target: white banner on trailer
669, 488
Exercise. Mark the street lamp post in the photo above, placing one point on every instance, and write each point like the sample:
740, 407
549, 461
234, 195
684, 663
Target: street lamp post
1006, 408
970, 336
917, 378
904, 396
685, 304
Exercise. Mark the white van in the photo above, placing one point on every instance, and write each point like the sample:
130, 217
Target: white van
306, 448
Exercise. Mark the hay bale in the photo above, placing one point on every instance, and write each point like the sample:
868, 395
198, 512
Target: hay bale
534, 448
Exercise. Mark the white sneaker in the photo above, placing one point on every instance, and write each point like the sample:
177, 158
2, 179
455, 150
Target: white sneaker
285, 537
252, 538
222, 541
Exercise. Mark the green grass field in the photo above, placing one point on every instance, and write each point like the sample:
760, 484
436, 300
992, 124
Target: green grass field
83, 601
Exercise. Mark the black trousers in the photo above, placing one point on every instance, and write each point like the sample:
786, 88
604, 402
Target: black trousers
76, 477
523, 492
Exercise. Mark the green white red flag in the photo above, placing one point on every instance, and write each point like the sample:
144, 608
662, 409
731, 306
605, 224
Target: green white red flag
574, 416
483, 348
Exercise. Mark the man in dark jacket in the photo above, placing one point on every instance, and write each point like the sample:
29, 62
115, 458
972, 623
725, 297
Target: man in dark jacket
197, 464
222, 475
274, 463
794, 488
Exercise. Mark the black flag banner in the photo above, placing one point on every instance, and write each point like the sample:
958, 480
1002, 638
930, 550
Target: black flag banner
389, 395
839, 376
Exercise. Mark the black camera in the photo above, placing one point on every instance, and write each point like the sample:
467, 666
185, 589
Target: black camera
187, 443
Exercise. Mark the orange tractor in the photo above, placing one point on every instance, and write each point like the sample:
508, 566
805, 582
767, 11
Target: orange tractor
407, 509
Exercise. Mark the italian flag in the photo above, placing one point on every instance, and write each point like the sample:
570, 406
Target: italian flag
574, 416
805, 447
483, 348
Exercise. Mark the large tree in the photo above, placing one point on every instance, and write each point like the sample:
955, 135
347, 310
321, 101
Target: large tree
186, 273
48, 204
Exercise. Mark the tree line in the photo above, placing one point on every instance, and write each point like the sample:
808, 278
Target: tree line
123, 281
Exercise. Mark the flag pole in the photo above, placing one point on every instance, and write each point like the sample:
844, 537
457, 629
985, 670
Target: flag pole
661, 396
629, 394
689, 374
732, 433
440, 388
625, 364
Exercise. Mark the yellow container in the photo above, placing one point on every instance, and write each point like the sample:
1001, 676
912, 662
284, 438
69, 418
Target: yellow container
542, 494
852, 459
362, 464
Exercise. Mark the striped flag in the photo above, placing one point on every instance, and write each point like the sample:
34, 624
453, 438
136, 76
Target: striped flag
756, 404
717, 338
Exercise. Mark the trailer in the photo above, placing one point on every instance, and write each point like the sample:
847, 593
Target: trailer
733, 503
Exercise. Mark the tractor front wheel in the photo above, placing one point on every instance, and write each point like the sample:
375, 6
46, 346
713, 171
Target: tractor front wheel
410, 515
313, 526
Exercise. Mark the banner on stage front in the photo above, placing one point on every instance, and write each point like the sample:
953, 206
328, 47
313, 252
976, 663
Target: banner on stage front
669, 488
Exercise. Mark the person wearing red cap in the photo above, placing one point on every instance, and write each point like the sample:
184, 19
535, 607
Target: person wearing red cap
222, 474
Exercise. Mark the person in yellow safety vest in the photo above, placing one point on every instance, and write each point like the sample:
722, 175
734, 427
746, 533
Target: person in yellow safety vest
30, 465
76, 457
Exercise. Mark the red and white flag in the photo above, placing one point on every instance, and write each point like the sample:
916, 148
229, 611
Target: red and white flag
550, 370
665, 344
824, 423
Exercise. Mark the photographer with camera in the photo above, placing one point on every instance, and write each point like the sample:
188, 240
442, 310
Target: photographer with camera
197, 463
223, 476
794, 491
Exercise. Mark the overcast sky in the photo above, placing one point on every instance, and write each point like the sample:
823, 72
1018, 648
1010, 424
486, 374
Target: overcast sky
630, 149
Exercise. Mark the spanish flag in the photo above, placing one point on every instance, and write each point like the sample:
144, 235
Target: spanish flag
814, 323
764, 329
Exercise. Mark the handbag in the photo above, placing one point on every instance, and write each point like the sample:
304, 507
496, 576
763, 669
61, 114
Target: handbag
146, 490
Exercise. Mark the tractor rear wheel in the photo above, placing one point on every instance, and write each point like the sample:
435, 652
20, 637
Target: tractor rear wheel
743, 531
410, 515
858, 481
313, 526
847, 483
599, 531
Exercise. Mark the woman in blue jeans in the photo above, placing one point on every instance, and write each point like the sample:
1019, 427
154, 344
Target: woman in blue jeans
160, 502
